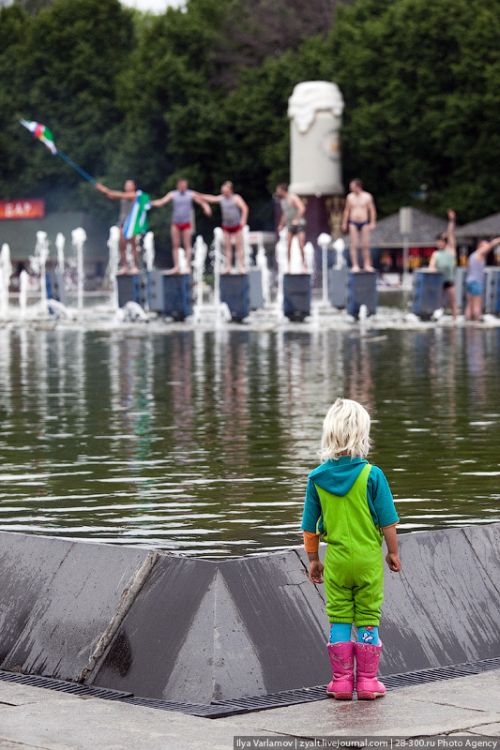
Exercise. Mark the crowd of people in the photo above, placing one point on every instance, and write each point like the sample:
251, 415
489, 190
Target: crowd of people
359, 218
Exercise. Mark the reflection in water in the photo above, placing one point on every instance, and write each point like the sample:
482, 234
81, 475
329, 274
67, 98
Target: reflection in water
202, 441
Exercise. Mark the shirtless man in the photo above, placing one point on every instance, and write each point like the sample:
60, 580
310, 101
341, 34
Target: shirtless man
126, 197
360, 216
180, 230
234, 212
293, 210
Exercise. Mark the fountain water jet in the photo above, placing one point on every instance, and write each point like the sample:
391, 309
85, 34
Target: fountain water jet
261, 263
24, 280
114, 259
5, 274
78, 238
41, 255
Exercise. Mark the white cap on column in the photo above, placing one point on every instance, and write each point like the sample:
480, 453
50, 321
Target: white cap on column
315, 111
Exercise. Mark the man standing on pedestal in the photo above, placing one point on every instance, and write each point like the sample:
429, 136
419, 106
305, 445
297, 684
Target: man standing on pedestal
234, 212
293, 213
126, 197
359, 218
181, 228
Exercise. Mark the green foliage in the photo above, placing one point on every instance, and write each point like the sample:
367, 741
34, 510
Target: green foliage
204, 92
421, 84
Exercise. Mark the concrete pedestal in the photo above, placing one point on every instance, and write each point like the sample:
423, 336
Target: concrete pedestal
337, 287
297, 296
255, 288
427, 293
129, 289
235, 293
170, 294
492, 291
362, 290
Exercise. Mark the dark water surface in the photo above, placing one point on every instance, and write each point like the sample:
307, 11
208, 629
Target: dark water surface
201, 442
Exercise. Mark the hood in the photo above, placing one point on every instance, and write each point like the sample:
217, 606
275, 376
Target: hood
337, 476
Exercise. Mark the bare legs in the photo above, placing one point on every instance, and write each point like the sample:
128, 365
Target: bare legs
365, 247
353, 247
452, 300
240, 252
302, 241
123, 254
228, 252
473, 310
357, 238
176, 236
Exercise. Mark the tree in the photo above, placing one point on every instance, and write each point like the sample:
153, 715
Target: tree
421, 84
63, 67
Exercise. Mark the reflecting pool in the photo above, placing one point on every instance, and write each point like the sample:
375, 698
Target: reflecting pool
201, 442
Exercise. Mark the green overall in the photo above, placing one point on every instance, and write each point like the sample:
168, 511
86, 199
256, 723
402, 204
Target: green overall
354, 573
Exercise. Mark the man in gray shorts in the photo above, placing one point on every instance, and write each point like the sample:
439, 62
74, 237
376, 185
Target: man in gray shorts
181, 229
234, 212
293, 211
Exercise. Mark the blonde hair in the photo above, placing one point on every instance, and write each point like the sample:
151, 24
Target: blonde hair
346, 430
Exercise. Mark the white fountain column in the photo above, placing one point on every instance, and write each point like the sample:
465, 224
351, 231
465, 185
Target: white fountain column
261, 262
324, 241
149, 262
113, 263
218, 243
5, 274
60, 243
247, 247
282, 261
309, 257
200, 256
183, 264
149, 251
24, 280
42, 253
78, 238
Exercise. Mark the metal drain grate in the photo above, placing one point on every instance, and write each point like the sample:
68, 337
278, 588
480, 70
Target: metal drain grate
74, 688
235, 706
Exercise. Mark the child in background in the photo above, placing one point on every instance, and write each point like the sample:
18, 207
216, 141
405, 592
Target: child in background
348, 502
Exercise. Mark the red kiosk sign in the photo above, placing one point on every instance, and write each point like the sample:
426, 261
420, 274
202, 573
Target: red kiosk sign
22, 209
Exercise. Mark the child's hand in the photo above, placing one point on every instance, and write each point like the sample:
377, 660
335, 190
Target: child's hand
393, 561
316, 571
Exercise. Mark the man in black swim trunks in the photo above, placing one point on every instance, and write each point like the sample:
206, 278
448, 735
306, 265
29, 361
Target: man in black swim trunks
359, 218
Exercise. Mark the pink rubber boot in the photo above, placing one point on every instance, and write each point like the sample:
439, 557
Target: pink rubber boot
367, 658
342, 661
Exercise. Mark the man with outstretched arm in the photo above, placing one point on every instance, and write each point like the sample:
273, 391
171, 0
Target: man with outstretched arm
126, 197
181, 230
234, 212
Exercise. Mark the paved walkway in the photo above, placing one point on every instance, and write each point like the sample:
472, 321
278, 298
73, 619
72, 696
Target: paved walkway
38, 719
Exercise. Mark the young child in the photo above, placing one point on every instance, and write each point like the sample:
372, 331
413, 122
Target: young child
348, 502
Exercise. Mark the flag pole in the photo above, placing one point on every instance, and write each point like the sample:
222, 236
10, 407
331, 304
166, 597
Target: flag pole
76, 167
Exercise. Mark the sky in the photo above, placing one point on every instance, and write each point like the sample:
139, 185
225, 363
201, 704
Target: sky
153, 5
